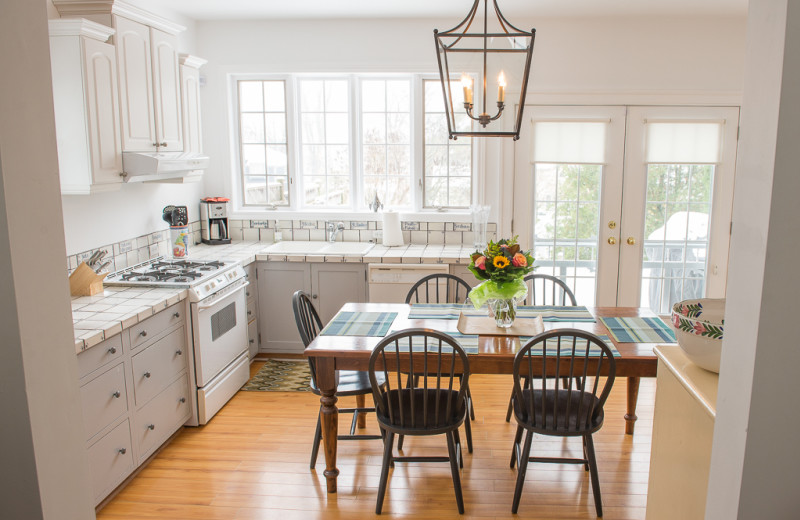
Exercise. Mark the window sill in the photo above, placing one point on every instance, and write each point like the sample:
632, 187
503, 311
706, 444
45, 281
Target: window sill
408, 216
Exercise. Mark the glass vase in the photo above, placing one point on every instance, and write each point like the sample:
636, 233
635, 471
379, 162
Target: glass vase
504, 312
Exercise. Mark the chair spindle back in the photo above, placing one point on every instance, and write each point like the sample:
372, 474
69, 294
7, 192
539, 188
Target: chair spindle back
439, 288
540, 286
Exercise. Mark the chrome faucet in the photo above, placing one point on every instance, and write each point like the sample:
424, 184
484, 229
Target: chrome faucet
333, 230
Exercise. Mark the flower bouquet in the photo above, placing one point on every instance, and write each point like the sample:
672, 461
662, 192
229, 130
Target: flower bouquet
502, 266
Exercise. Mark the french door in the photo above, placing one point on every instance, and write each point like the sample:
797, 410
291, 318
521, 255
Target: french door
630, 206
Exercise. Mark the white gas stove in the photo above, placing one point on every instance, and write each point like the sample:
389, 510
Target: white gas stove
204, 278
219, 323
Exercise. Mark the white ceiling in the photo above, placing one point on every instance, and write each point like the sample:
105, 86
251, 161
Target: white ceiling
288, 9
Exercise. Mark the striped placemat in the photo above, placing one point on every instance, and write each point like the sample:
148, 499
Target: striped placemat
348, 323
469, 342
639, 330
566, 346
451, 311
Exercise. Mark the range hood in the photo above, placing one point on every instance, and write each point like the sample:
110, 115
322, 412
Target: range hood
161, 166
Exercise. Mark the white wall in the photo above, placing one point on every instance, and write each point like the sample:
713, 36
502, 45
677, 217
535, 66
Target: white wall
754, 457
104, 218
587, 58
43, 466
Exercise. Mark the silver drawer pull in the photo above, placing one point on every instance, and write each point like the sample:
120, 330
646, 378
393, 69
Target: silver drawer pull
182, 399
122, 451
151, 426
179, 352
116, 394
176, 315
147, 375
143, 333
248, 293
252, 341
249, 313
112, 350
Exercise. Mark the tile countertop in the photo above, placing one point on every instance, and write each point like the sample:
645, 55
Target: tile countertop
101, 316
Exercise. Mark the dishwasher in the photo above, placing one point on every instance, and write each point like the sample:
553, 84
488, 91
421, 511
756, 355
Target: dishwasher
390, 283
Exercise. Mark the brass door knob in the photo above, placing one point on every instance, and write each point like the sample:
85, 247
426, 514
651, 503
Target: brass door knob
612, 224
612, 240
631, 241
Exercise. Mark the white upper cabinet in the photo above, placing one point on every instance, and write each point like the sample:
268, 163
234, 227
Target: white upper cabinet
190, 99
86, 106
149, 87
135, 85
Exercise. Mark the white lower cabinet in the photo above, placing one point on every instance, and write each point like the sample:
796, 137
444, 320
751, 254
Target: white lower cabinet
111, 460
330, 285
253, 338
135, 395
159, 418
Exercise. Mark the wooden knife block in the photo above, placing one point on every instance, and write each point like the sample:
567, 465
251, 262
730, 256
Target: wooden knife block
85, 282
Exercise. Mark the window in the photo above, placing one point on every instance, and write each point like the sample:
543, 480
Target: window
386, 141
334, 142
263, 141
448, 163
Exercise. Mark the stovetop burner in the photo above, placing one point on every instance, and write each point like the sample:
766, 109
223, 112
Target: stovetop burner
166, 272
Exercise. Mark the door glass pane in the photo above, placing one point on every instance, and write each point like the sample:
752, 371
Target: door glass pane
676, 238
566, 218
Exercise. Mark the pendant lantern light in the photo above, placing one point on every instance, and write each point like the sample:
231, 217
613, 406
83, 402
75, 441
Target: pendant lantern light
493, 65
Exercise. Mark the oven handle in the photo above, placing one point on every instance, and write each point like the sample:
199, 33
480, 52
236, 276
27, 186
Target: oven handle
216, 301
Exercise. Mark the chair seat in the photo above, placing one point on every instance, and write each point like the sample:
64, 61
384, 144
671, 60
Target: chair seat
568, 423
426, 419
351, 382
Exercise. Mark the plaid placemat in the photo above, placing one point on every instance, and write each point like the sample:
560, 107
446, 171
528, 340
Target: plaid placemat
359, 324
451, 311
566, 346
469, 342
639, 330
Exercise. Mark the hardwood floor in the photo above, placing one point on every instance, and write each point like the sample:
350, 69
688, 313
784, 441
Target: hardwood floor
251, 462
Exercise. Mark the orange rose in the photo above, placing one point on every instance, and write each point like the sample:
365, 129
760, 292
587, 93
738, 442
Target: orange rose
519, 260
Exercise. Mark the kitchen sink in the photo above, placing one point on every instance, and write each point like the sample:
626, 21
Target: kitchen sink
319, 248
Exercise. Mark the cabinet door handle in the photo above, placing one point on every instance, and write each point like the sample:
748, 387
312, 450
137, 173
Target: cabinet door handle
249, 313
147, 375
112, 350
182, 399
151, 426
122, 451
163, 145
178, 352
143, 334
116, 394
247, 293
252, 341
176, 315
314, 296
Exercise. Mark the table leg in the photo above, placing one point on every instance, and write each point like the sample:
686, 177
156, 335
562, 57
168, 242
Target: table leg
633, 396
361, 402
326, 381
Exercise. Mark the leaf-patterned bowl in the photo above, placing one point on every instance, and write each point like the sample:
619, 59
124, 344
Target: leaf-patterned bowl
698, 325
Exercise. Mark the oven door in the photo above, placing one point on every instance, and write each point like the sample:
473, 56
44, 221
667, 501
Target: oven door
219, 324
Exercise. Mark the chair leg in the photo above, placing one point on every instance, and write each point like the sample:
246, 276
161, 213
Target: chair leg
400, 442
598, 502
455, 471
457, 439
523, 467
586, 465
517, 439
387, 459
510, 407
315, 447
468, 431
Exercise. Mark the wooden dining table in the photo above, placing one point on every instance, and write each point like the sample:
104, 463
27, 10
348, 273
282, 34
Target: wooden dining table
495, 356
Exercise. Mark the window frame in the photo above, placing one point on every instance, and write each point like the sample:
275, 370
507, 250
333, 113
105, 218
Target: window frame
357, 207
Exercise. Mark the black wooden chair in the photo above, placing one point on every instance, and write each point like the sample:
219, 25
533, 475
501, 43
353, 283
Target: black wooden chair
425, 405
443, 288
540, 286
568, 412
351, 383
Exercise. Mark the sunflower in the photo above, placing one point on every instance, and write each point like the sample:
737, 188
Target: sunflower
500, 262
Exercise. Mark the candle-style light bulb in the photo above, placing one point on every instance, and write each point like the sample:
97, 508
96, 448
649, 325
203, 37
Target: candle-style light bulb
501, 88
466, 82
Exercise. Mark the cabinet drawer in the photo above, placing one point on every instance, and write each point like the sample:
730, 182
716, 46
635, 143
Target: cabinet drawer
252, 310
162, 416
250, 274
104, 399
152, 327
252, 338
91, 359
110, 460
156, 366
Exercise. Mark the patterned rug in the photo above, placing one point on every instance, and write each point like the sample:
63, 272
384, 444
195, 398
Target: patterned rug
280, 376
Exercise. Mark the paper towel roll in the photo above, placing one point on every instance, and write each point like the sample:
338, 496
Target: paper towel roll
392, 234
